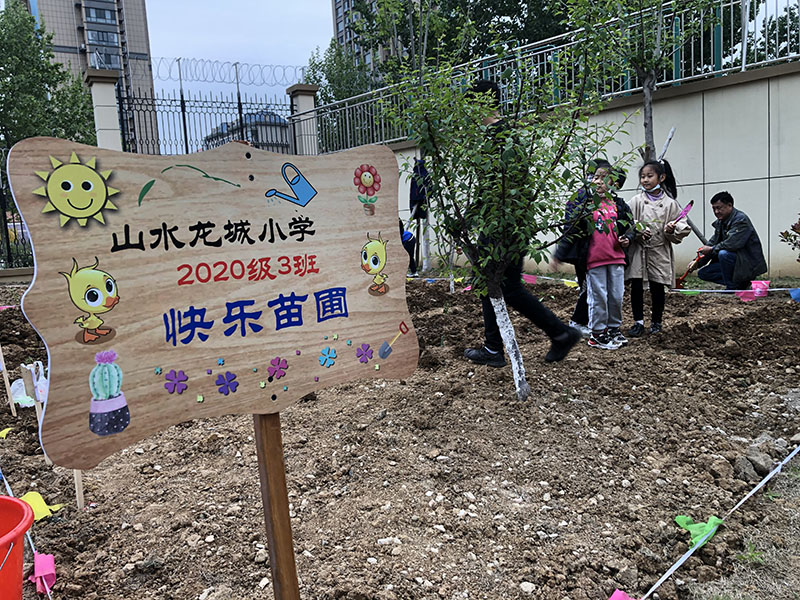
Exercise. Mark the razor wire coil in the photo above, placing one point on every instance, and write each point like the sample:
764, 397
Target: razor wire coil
216, 71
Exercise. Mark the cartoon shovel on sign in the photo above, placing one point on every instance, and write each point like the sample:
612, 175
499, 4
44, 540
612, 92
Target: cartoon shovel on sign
386, 348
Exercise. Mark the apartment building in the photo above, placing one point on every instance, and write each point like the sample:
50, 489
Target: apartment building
101, 34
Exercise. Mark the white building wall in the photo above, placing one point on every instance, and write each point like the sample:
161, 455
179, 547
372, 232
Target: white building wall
743, 138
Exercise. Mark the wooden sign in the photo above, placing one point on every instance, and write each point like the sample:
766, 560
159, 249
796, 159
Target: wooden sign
236, 280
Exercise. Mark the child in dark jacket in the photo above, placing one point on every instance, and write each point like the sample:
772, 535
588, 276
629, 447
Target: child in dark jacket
577, 257
600, 228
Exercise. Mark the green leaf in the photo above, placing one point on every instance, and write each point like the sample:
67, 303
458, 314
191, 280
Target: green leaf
145, 188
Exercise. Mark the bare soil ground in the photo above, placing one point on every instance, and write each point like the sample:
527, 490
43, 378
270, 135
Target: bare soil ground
443, 485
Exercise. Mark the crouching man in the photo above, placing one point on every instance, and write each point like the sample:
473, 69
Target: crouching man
733, 256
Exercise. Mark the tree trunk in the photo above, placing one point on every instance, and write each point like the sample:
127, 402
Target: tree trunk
426, 246
511, 346
451, 259
648, 87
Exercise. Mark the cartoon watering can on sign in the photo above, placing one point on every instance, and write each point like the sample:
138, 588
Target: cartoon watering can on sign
303, 191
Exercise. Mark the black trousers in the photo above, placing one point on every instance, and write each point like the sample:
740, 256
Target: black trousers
517, 297
657, 300
410, 246
581, 313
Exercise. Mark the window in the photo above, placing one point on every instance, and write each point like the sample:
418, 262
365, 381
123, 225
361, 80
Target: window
100, 15
339, 26
104, 60
103, 38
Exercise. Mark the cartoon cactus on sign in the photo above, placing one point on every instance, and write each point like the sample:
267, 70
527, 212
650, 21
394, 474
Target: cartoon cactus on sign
106, 379
108, 412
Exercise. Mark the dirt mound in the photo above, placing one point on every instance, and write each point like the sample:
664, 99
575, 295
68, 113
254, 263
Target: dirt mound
443, 485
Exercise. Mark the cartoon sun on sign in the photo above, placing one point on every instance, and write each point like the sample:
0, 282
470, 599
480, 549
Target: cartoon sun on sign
76, 190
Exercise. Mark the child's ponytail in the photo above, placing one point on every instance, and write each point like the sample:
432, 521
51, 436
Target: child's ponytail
670, 185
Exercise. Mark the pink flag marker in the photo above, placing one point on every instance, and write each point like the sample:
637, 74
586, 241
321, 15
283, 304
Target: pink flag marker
685, 211
44, 572
529, 278
619, 595
746, 295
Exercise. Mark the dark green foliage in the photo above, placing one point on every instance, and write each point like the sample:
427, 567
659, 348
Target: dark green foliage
37, 96
505, 184
337, 74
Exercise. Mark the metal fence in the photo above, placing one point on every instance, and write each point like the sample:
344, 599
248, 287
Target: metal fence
169, 124
183, 122
15, 244
736, 35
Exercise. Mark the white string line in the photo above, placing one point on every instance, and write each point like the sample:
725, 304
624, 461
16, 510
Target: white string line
702, 540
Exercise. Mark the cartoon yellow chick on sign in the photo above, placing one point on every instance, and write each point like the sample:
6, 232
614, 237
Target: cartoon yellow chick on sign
94, 292
373, 261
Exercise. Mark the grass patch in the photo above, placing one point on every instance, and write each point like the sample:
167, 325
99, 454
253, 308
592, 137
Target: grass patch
751, 555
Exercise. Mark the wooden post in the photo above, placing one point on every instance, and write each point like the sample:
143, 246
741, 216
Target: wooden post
77, 475
7, 384
272, 473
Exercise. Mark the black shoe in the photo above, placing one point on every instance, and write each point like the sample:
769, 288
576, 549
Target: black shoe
636, 331
655, 328
560, 348
481, 356
616, 335
603, 341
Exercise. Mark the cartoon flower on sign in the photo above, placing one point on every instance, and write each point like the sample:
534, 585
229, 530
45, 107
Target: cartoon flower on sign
175, 381
227, 383
278, 367
364, 353
368, 182
327, 357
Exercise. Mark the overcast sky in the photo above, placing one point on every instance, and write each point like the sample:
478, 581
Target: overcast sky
277, 32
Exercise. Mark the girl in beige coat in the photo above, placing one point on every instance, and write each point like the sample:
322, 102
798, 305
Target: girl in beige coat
651, 258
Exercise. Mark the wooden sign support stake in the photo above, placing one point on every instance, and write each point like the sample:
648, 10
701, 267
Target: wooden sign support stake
77, 475
275, 497
7, 384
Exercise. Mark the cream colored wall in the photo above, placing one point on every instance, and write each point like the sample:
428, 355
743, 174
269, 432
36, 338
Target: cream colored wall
742, 138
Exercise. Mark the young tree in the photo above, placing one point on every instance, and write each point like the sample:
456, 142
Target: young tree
495, 188
337, 74
640, 35
792, 237
37, 96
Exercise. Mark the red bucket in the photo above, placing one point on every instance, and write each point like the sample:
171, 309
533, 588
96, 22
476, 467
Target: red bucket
16, 517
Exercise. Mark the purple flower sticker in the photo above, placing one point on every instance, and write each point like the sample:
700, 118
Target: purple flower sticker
175, 381
227, 383
278, 367
364, 353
